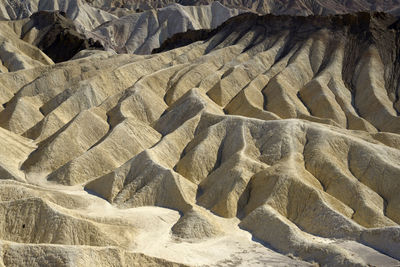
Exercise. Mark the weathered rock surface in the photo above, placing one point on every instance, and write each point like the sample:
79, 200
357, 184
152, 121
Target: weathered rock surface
280, 129
78, 10
16, 254
140, 33
62, 29
15, 54
56, 35
277, 7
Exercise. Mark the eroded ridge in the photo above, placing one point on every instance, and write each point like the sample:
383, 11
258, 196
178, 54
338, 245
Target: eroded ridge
286, 127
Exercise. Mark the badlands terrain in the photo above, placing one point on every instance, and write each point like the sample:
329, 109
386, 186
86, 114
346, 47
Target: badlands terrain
277, 7
199, 135
123, 31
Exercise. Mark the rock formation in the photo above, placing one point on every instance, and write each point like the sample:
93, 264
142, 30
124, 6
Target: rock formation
276, 129
78, 10
76, 25
140, 33
277, 7
16, 54
56, 35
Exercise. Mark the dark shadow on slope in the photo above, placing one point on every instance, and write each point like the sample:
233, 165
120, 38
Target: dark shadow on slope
57, 35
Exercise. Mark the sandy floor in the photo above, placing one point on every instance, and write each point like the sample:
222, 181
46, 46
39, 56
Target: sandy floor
236, 248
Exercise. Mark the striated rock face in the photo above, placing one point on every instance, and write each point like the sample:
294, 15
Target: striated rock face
15, 54
56, 35
61, 29
280, 129
358, 34
78, 10
277, 7
53, 255
140, 33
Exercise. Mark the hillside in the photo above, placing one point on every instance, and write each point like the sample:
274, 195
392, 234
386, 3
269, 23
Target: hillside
271, 140
76, 25
277, 7
140, 33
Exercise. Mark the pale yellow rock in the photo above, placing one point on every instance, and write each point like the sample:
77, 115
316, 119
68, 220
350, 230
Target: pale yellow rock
85, 131
286, 237
15, 254
14, 149
197, 224
189, 154
15, 54
128, 138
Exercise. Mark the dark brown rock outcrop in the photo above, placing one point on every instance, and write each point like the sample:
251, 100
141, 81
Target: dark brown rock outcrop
57, 35
184, 38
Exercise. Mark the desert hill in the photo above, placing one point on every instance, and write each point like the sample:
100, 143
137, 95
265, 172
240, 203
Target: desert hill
140, 33
276, 129
55, 35
16, 54
277, 7
87, 16
76, 25
141, 26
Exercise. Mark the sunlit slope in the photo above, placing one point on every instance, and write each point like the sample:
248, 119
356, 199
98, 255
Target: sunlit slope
287, 127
